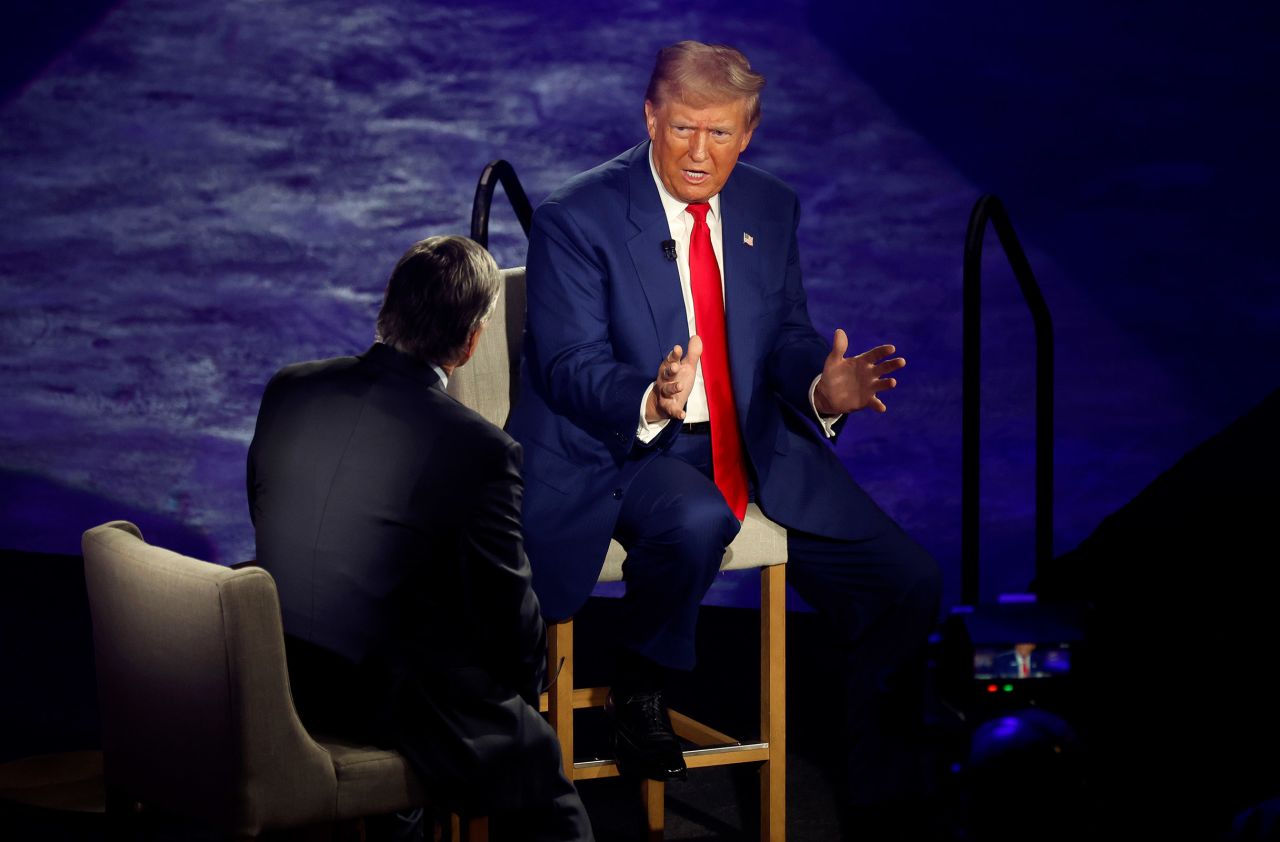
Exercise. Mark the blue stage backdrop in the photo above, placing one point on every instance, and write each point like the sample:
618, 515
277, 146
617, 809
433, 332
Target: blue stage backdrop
195, 194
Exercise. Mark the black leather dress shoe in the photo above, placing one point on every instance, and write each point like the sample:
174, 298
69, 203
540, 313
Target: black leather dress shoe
643, 740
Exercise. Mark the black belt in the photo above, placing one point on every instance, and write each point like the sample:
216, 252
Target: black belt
698, 428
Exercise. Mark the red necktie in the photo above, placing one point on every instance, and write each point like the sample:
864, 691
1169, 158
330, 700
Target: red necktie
708, 315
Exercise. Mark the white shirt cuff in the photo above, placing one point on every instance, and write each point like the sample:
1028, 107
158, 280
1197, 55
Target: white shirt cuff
647, 432
828, 422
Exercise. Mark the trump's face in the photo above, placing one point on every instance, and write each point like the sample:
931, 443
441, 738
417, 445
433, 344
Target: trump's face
695, 149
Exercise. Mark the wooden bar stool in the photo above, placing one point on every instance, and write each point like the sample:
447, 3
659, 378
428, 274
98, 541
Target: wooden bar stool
761, 544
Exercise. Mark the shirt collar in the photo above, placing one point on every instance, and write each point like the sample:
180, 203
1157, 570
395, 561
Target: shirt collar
389, 357
671, 206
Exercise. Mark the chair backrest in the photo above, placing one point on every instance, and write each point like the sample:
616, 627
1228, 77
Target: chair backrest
197, 718
490, 381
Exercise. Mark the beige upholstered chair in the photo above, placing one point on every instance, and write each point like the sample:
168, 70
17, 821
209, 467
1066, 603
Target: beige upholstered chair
489, 383
197, 717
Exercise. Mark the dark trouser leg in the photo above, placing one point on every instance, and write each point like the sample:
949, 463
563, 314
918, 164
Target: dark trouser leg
879, 596
481, 750
675, 525
561, 819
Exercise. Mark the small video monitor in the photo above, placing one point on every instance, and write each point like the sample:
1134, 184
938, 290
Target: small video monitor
1021, 660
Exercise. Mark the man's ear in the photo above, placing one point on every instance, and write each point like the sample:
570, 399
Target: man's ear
473, 341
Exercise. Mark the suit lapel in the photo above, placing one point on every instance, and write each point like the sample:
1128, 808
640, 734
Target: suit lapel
659, 277
742, 287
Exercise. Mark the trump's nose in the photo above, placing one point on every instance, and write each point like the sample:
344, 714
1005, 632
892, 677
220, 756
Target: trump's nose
698, 146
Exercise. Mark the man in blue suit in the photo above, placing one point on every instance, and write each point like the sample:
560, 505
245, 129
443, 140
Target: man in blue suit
651, 409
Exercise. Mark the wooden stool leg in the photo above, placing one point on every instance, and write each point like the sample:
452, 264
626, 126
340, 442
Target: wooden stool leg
653, 793
560, 695
476, 830
773, 702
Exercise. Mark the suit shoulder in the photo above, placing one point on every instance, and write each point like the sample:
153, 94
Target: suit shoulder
597, 186
303, 374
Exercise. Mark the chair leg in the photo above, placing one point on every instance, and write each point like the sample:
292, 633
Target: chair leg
654, 795
475, 830
560, 695
773, 702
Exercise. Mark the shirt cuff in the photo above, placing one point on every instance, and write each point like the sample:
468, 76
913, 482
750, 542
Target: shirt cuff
828, 422
647, 432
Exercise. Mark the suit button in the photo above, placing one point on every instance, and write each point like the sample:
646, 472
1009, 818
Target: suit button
617, 494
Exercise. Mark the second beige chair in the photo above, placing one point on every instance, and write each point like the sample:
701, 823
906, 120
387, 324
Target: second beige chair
489, 384
197, 716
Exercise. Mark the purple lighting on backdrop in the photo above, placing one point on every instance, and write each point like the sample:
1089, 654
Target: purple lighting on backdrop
196, 194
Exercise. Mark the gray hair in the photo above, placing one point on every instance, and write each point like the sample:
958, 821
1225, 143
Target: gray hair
703, 74
441, 291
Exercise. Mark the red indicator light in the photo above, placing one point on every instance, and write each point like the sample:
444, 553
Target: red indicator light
991, 688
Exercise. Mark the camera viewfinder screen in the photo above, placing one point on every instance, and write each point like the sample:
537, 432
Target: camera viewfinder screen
1022, 660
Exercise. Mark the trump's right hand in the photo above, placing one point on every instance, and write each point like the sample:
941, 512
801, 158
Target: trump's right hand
674, 381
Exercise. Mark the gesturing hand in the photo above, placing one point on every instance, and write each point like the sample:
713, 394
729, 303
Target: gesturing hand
675, 379
852, 383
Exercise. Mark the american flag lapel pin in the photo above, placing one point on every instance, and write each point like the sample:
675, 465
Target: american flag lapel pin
748, 239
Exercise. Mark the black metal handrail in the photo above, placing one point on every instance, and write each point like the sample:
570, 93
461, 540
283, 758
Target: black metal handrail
495, 172
989, 209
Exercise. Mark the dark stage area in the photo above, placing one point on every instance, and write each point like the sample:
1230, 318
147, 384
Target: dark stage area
56, 700
1165, 725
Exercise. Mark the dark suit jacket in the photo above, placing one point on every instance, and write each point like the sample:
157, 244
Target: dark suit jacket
605, 307
389, 515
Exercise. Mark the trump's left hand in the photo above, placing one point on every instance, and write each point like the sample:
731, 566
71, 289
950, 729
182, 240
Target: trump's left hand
852, 383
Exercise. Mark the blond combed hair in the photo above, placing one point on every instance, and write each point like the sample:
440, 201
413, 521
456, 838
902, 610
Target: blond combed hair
700, 74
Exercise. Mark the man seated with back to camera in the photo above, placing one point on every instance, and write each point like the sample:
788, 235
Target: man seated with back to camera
389, 515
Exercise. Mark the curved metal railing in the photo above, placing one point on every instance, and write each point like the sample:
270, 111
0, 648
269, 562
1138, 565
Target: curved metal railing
989, 209
498, 172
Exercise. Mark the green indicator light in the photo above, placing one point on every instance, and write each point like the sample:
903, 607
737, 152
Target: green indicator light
1008, 688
